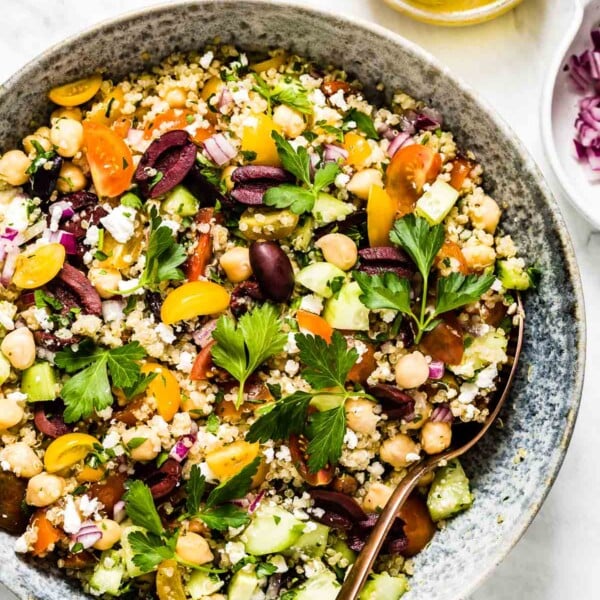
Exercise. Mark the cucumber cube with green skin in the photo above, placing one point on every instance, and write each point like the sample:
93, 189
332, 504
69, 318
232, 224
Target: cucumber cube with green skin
384, 587
346, 311
512, 277
435, 204
39, 382
108, 574
202, 584
272, 530
243, 584
180, 201
312, 543
449, 493
132, 569
322, 586
318, 276
328, 209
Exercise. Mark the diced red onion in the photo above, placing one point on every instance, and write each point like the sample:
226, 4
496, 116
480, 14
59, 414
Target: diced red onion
441, 414
182, 447
63, 207
10, 262
436, 369
88, 535
257, 500
68, 240
225, 99
400, 141
10, 233
334, 153
219, 149
203, 335
119, 512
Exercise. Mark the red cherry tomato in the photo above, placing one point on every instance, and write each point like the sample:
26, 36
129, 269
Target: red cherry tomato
324, 476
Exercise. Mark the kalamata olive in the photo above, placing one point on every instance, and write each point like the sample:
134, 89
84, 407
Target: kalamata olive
79, 560
154, 302
52, 342
396, 546
48, 419
395, 403
13, 518
243, 296
165, 163
165, 480
200, 187
384, 253
379, 269
339, 503
273, 270
251, 194
81, 285
128, 414
80, 200
42, 183
109, 491
332, 519
254, 172
90, 215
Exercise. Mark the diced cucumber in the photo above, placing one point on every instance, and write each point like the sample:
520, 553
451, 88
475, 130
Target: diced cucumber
383, 586
513, 276
342, 548
322, 586
324, 402
4, 368
346, 311
487, 349
317, 277
201, 584
131, 200
108, 574
272, 530
180, 201
243, 584
436, 202
311, 543
449, 493
303, 235
39, 382
132, 569
328, 209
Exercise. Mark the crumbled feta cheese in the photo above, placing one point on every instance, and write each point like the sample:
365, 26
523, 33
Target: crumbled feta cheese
496, 286
291, 367
172, 225
283, 454
338, 100
341, 180
236, 551
318, 97
468, 392
16, 214
165, 333
120, 223
269, 454
16, 396
43, 318
290, 346
240, 96
91, 236
111, 439
206, 59
112, 310
88, 506
486, 377
186, 361
350, 439
208, 473
71, 517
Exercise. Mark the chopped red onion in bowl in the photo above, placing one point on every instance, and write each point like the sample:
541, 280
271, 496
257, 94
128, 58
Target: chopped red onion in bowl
436, 369
219, 149
88, 535
68, 240
334, 153
400, 141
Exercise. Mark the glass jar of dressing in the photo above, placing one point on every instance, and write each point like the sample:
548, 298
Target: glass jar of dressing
453, 12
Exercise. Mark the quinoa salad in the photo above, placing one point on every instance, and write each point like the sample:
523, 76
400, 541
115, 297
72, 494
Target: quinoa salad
238, 300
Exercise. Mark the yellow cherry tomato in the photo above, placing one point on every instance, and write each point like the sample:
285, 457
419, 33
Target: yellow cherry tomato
38, 268
381, 212
165, 390
229, 460
358, 149
67, 450
77, 92
90, 474
193, 299
256, 137
271, 63
168, 581
211, 87
121, 256
110, 109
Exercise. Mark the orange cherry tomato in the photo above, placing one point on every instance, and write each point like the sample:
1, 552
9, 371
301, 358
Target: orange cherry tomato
203, 364
77, 92
411, 168
331, 87
445, 342
381, 214
47, 534
298, 445
90, 474
110, 491
197, 263
314, 324
165, 390
358, 149
121, 126
256, 137
451, 250
460, 171
418, 526
109, 158
193, 299
360, 371
270, 63
177, 118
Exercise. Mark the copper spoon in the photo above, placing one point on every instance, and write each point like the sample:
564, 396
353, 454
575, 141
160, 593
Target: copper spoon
470, 434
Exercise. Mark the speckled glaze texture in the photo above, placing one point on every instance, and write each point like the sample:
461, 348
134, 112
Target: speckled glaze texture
538, 420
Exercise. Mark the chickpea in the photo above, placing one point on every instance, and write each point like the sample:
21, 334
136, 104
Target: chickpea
486, 214
106, 281
479, 257
30, 142
176, 97
19, 347
67, 135
70, 179
13, 167
360, 415
194, 549
11, 413
377, 497
339, 250
44, 489
147, 450
361, 182
396, 451
21, 459
291, 121
111, 534
236, 264
412, 370
436, 437
66, 112
226, 177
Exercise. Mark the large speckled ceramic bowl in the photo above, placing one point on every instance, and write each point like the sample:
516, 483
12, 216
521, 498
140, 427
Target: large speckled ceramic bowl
513, 469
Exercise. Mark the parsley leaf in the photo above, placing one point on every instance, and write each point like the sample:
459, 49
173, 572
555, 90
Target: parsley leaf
149, 549
41, 157
211, 172
290, 93
42, 300
325, 176
296, 162
90, 389
234, 487
140, 508
363, 122
241, 349
299, 200
223, 517
326, 431
456, 290
195, 490
384, 291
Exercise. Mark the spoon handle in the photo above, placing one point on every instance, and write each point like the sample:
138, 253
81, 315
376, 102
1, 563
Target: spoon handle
362, 567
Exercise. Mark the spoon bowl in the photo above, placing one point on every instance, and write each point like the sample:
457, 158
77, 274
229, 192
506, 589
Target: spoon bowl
559, 111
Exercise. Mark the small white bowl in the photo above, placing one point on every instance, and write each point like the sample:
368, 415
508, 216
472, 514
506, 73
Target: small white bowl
559, 110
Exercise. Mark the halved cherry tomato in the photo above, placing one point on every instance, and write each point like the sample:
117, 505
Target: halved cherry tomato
381, 213
418, 526
256, 394
332, 87
203, 364
411, 168
121, 256
197, 263
256, 137
193, 299
109, 109
77, 92
165, 390
298, 445
314, 324
110, 491
121, 126
90, 474
445, 342
168, 581
47, 534
67, 450
270, 63
358, 149
109, 158
177, 118
451, 250
227, 461
461, 168
38, 268
360, 371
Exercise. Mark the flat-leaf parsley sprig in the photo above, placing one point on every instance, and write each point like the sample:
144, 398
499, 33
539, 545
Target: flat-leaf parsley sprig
326, 368
388, 291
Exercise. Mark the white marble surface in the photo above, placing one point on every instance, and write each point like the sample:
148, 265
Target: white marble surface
506, 61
